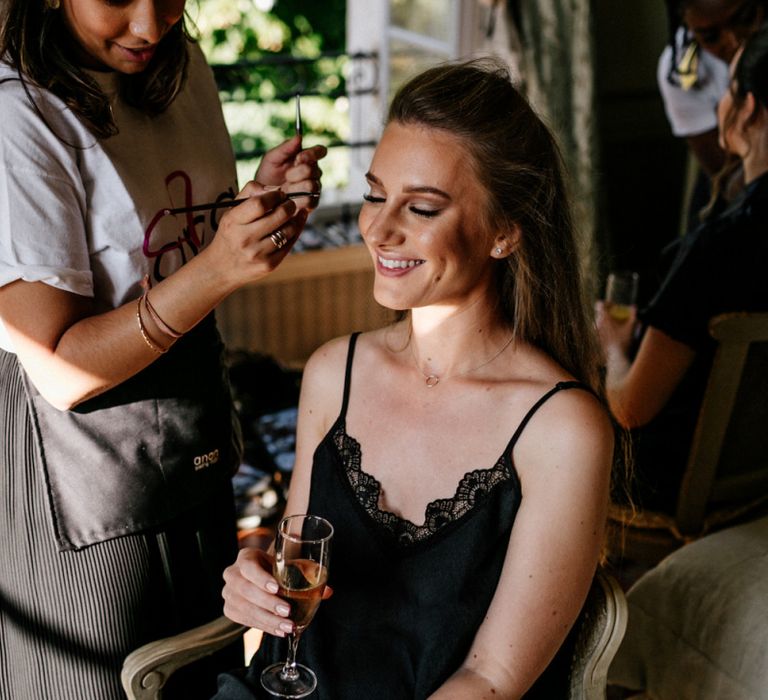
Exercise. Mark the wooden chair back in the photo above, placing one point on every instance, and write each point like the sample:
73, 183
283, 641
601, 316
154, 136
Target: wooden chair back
726, 475
728, 462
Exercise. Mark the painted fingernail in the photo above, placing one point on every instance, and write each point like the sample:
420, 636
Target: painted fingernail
272, 587
286, 627
282, 610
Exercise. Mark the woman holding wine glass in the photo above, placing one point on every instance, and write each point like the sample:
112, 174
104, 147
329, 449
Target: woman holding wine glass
719, 267
462, 453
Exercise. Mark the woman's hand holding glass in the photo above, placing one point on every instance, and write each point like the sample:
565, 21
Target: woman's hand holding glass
621, 293
616, 315
299, 572
302, 554
250, 594
616, 335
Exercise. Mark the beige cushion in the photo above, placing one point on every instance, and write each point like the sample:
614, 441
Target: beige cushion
698, 622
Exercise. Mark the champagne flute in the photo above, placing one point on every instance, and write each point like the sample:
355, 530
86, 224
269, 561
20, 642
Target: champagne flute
621, 293
301, 568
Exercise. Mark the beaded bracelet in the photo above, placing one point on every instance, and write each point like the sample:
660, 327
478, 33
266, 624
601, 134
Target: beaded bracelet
151, 343
162, 325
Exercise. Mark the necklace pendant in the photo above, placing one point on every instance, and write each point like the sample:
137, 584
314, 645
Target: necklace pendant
432, 380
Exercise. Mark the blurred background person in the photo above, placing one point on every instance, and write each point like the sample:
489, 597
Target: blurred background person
719, 267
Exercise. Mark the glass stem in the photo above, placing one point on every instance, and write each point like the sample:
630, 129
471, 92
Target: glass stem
290, 672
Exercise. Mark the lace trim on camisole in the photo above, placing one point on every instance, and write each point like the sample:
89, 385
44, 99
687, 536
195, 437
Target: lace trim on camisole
473, 488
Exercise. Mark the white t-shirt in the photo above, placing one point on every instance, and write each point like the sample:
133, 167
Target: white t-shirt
88, 219
692, 112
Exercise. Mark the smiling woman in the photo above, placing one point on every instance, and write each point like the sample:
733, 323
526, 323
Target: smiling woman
462, 454
118, 441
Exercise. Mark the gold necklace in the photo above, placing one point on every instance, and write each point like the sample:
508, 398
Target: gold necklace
433, 380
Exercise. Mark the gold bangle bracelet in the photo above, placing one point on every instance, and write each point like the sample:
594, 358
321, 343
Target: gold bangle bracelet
162, 325
151, 343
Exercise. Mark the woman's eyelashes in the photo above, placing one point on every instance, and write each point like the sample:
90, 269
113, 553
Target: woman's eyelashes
419, 211
426, 213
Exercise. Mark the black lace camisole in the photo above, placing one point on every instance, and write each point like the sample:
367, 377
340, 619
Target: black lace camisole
407, 598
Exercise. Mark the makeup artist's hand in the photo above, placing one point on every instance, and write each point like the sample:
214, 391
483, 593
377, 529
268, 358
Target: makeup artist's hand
253, 238
293, 169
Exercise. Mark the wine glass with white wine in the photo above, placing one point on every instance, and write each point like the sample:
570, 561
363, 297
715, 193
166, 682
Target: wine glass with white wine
302, 548
621, 293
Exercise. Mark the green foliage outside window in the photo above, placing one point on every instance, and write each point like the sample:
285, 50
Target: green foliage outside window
296, 43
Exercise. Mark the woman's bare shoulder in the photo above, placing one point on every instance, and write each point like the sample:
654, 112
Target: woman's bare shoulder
326, 366
573, 427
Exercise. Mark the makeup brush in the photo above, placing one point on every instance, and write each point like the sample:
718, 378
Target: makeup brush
224, 204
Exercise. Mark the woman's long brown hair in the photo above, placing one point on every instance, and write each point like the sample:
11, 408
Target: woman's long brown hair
517, 160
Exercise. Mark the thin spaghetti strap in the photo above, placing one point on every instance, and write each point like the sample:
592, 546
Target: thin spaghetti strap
560, 386
348, 373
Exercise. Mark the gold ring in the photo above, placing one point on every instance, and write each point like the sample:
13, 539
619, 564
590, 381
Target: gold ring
278, 238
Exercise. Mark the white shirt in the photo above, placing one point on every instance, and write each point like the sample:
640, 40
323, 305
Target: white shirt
692, 112
84, 214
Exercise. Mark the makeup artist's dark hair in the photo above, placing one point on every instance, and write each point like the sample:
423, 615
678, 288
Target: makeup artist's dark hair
35, 40
517, 160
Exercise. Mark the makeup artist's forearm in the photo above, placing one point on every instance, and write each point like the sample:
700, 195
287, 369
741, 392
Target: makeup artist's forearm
190, 294
101, 351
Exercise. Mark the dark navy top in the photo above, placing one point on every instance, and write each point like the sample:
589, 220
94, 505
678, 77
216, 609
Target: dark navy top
719, 267
408, 599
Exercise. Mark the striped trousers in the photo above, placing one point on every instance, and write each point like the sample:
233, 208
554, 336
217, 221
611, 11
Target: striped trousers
68, 619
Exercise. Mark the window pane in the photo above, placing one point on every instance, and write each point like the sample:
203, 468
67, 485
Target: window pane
406, 60
433, 18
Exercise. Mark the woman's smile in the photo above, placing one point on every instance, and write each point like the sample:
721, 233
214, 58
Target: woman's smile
391, 265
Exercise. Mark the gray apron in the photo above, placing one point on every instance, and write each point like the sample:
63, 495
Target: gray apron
144, 452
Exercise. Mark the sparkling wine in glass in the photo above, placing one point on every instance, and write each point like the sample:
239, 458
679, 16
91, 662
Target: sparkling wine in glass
301, 568
621, 293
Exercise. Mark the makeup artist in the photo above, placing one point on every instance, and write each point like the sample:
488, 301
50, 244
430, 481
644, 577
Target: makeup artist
462, 453
118, 440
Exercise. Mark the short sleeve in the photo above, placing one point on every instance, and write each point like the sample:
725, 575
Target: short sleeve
42, 196
681, 307
692, 112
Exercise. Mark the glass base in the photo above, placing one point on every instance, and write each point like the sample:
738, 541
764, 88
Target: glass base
297, 685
